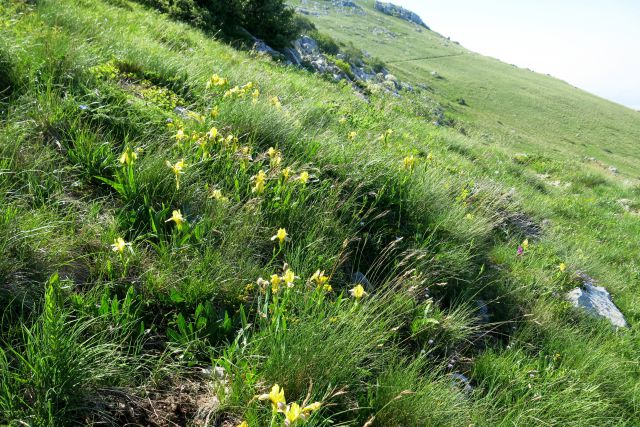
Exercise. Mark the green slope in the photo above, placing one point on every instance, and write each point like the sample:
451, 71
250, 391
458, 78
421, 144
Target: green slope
173, 326
513, 107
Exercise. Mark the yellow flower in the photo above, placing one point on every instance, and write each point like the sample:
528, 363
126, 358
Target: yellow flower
388, 133
342, 120
292, 414
562, 267
129, 156
281, 235
289, 277
358, 292
275, 162
275, 283
119, 245
176, 216
177, 169
352, 135
243, 424
525, 244
327, 288
216, 194
409, 162
260, 184
216, 80
233, 91
276, 396
429, 157
214, 112
286, 173
304, 177
275, 101
255, 95
213, 133
272, 152
319, 278
312, 408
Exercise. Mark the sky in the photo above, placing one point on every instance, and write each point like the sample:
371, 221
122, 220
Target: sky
591, 44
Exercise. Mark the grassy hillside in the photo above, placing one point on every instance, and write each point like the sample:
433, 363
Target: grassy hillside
507, 106
185, 226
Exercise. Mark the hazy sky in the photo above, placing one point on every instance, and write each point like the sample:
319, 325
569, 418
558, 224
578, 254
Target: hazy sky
592, 44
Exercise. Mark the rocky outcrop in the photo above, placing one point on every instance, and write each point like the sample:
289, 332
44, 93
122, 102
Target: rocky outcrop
304, 52
400, 12
596, 301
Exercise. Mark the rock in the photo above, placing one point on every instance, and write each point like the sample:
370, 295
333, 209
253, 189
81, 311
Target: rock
293, 56
613, 170
462, 102
306, 46
596, 301
261, 47
359, 278
400, 12
345, 3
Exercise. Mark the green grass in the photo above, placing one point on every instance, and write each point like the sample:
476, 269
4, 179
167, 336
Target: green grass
90, 334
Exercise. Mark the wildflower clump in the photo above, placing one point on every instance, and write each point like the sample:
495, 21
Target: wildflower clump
216, 80
321, 281
239, 91
293, 413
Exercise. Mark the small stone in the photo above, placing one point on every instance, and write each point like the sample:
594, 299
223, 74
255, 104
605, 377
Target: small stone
596, 300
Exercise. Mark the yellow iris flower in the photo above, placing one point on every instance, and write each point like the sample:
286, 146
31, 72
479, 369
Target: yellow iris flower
289, 278
275, 101
177, 169
213, 133
562, 267
304, 177
119, 245
409, 162
260, 184
319, 278
276, 396
358, 292
275, 283
216, 194
129, 156
176, 216
216, 80
286, 173
281, 235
